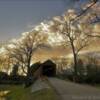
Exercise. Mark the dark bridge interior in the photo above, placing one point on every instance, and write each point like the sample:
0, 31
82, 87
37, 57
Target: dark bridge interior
49, 68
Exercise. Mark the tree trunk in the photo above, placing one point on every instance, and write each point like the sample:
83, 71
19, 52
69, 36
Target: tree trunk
28, 72
28, 66
75, 61
28, 81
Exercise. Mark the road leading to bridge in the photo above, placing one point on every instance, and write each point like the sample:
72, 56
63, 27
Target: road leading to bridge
73, 91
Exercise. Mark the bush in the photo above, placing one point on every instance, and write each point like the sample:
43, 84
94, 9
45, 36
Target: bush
13, 80
29, 81
3, 75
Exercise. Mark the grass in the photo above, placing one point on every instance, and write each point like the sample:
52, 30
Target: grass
12, 92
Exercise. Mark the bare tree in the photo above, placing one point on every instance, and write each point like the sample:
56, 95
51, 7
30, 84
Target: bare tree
73, 32
5, 62
23, 49
77, 40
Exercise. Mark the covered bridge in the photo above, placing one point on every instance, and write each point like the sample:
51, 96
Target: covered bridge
48, 68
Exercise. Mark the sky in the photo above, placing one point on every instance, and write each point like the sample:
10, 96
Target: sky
17, 16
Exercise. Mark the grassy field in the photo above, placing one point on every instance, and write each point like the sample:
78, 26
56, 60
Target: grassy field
11, 92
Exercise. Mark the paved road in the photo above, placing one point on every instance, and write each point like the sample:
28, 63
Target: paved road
73, 91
